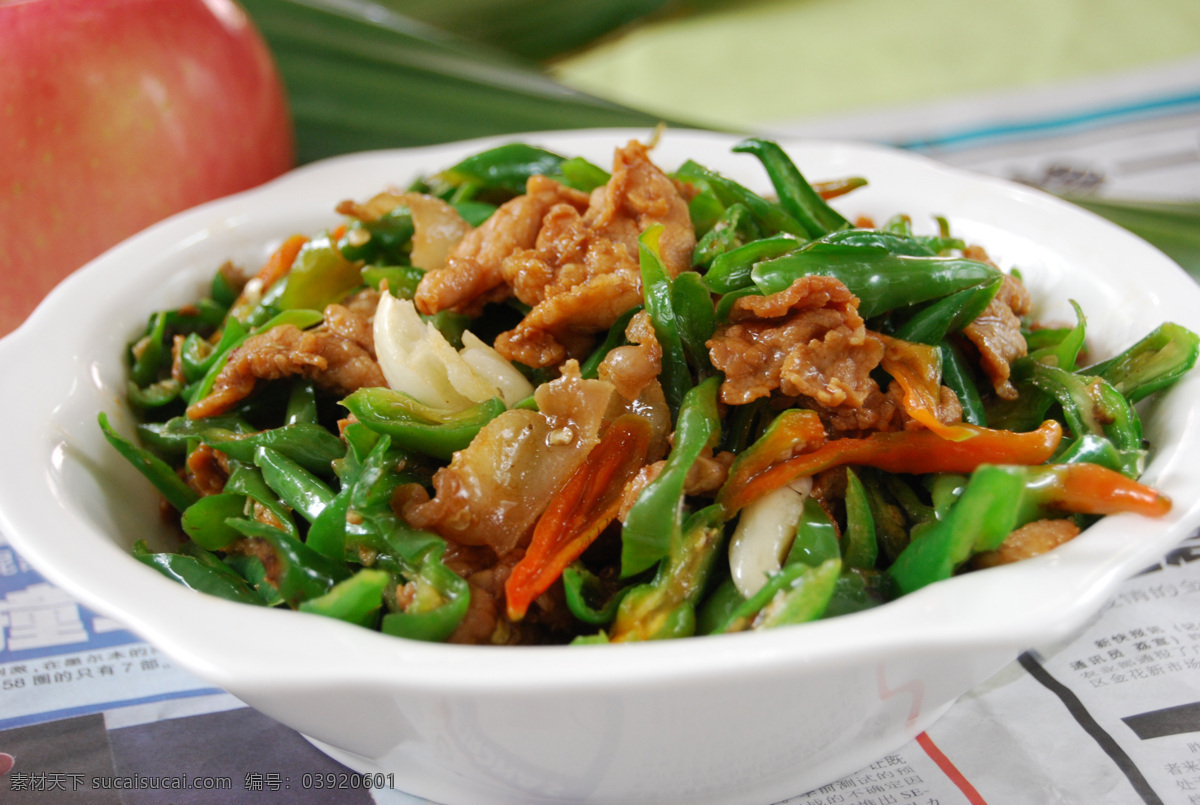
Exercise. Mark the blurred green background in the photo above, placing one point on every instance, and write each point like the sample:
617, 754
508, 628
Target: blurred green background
394, 73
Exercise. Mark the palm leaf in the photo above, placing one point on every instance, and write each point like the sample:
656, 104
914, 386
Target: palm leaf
532, 29
360, 76
1172, 226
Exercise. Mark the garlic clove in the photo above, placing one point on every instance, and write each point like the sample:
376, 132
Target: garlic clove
764, 534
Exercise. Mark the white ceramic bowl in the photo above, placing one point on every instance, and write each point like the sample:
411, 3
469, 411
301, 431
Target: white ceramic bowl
746, 717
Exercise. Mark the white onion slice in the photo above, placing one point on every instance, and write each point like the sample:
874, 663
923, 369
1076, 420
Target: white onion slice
496, 369
418, 360
764, 534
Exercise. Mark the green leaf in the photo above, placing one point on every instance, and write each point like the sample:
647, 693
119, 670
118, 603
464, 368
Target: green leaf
520, 26
360, 76
1174, 227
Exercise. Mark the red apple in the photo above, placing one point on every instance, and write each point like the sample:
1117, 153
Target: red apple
117, 113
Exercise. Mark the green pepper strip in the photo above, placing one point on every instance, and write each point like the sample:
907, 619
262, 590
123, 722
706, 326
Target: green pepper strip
890, 518
956, 375
309, 445
1091, 405
301, 404
858, 589
152, 351
769, 216
903, 243
984, 515
296, 571
474, 212
582, 175
155, 395
381, 471
356, 600
389, 241
441, 601
860, 547
246, 479
804, 599
225, 286
205, 520
295, 485
327, 533
370, 472
881, 280
656, 288
193, 352
157, 472
796, 195
730, 270
198, 575
915, 452
320, 276
300, 318
418, 427
1065, 352
797, 593
816, 539
506, 167
695, 318
724, 234
177, 436
999, 499
582, 589
1044, 337
949, 314
198, 360
726, 302
718, 607
250, 570
706, 212
199, 315
653, 522
1152, 364
945, 488
666, 606
402, 281
1091, 449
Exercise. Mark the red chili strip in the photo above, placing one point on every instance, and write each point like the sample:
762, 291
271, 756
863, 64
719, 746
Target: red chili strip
579, 512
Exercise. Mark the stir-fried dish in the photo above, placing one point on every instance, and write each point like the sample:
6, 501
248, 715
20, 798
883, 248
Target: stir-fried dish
532, 400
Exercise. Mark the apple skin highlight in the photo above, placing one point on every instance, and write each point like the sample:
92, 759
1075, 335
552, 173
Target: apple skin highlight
115, 114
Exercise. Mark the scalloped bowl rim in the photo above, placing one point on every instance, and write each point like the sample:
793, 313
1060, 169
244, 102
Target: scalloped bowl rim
1009, 608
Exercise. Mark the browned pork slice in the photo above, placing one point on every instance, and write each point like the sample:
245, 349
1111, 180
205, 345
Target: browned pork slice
996, 333
571, 258
471, 276
493, 490
806, 341
335, 362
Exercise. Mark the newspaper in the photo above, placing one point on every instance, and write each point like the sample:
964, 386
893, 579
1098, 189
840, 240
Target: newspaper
1132, 136
89, 713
